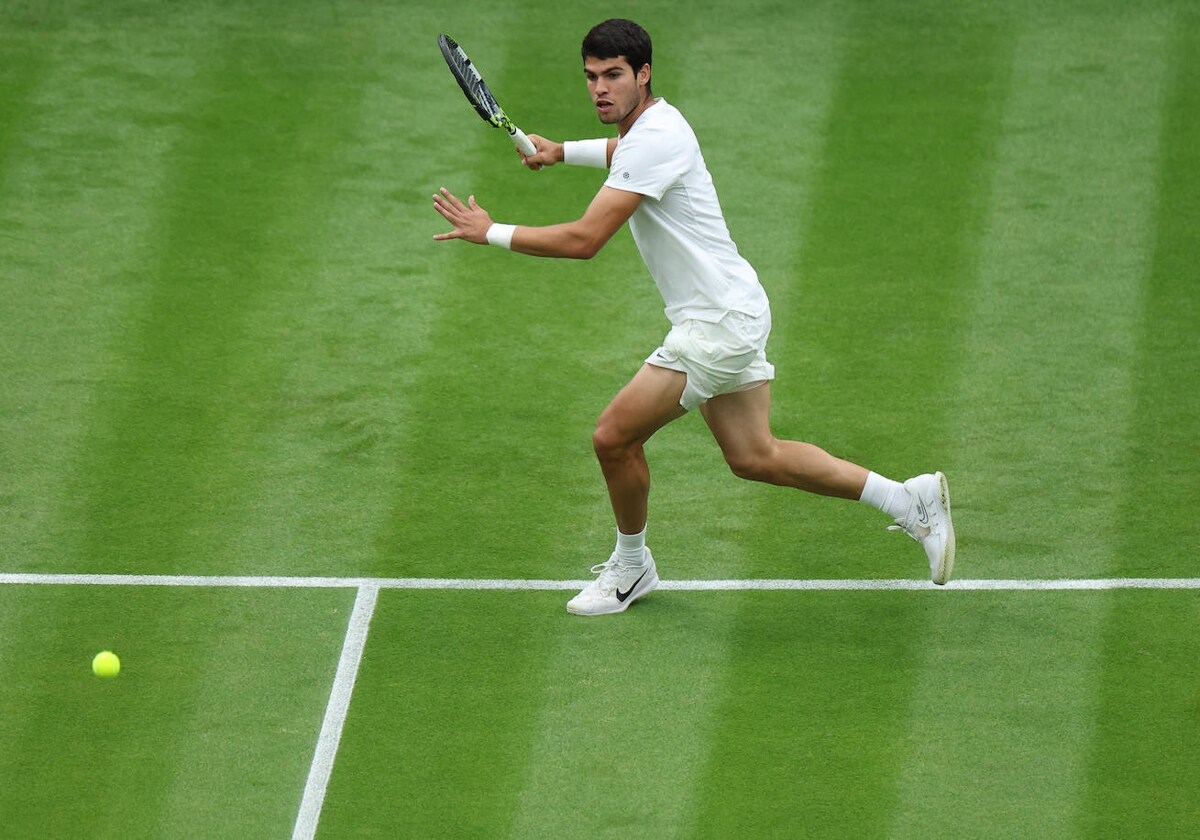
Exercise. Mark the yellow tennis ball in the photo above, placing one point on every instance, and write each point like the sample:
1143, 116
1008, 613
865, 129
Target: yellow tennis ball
105, 664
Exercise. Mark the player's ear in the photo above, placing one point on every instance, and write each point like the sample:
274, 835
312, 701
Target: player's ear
643, 75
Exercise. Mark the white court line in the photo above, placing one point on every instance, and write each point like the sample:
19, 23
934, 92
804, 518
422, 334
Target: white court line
267, 582
335, 714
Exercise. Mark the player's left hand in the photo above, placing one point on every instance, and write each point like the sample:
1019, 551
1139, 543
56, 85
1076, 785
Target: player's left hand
470, 221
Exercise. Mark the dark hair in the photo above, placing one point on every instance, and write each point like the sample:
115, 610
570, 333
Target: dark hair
616, 38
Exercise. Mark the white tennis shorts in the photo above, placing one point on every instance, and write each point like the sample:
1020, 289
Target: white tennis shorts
719, 358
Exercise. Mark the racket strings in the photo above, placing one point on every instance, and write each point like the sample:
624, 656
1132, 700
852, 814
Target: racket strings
472, 84
475, 86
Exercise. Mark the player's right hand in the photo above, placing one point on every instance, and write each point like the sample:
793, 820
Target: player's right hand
548, 153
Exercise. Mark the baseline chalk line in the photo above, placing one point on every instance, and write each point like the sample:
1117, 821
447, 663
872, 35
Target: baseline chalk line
521, 585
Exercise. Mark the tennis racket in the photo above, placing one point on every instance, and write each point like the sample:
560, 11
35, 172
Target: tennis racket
479, 95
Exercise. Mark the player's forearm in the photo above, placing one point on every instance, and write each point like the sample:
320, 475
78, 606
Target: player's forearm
571, 240
580, 239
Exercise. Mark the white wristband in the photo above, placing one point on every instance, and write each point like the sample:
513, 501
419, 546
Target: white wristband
592, 153
501, 235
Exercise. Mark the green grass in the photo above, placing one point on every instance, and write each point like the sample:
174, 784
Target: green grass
230, 347
207, 731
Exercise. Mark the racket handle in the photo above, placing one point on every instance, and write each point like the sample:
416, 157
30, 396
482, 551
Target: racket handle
522, 142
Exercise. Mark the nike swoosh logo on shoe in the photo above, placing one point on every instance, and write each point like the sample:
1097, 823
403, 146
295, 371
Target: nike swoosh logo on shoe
922, 513
621, 596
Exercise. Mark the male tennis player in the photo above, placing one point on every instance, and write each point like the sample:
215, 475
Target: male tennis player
713, 357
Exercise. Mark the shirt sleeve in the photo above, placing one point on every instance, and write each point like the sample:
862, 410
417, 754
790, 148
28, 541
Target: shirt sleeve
647, 162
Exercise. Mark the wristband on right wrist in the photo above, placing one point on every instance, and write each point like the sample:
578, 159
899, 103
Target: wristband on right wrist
592, 153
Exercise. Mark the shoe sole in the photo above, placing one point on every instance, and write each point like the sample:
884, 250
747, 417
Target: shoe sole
647, 584
947, 564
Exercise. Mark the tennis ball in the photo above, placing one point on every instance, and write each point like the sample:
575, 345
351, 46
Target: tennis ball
105, 664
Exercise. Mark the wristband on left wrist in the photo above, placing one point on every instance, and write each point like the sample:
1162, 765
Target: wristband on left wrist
501, 235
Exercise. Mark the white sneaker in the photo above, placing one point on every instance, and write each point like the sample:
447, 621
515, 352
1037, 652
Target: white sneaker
617, 586
928, 522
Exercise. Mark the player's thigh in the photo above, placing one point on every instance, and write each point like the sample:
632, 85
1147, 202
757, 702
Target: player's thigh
647, 403
740, 422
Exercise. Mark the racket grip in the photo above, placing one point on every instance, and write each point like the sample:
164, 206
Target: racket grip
522, 142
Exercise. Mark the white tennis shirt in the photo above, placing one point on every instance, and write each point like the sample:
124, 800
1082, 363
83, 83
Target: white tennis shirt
679, 227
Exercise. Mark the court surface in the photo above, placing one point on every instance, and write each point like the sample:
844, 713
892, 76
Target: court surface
325, 485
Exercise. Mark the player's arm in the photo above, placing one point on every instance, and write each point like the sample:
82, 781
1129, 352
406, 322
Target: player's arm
597, 153
583, 238
580, 239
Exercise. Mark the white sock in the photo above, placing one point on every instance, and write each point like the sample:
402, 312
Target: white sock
631, 548
886, 495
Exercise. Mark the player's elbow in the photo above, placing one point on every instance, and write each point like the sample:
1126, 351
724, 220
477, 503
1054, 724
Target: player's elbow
586, 245
584, 241
587, 250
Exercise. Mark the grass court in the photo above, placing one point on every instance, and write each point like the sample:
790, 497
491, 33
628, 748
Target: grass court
233, 355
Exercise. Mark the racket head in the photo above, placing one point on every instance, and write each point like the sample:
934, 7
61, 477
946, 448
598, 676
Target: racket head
472, 84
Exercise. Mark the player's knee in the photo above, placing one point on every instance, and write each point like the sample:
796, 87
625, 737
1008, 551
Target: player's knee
607, 441
752, 466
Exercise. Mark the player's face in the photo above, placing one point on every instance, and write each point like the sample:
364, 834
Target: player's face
618, 93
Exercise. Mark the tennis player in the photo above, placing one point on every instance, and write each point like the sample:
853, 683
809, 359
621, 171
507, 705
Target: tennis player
714, 357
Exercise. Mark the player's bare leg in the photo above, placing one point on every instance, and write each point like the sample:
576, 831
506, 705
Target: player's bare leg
645, 405
920, 506
740, 422
649, 402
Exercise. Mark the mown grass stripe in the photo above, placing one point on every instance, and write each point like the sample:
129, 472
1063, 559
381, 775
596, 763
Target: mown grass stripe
700, 515
78, 213
1142, 772
25, 50
493, 474
172, 462
1043, 414
184, 391
888, 253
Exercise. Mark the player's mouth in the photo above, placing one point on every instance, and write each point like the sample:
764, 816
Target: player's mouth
603, 106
